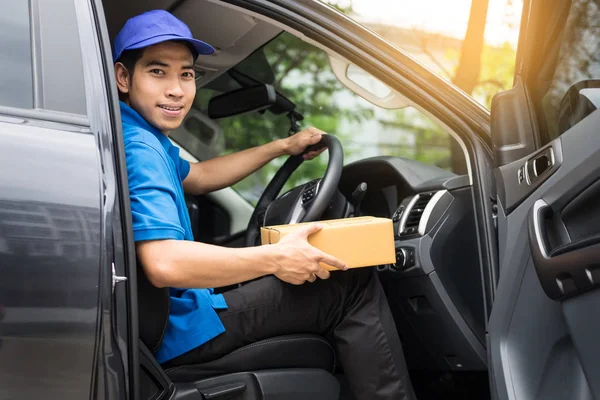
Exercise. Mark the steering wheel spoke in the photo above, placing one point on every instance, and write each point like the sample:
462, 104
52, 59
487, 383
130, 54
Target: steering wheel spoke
304, 201
309, 192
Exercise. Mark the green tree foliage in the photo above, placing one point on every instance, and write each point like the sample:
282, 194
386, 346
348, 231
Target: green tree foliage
496, 73
429, 143
302, 73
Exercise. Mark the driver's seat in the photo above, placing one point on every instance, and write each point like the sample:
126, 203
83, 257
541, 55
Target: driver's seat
284, 367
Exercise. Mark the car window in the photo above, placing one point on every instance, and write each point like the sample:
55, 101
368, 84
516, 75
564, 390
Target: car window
303, 74
577, 68
53, 56
16, 82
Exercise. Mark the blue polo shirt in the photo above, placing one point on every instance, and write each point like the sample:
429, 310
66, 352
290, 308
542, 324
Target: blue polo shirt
155, 173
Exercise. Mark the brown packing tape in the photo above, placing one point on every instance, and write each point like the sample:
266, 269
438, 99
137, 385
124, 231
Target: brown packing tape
359, 242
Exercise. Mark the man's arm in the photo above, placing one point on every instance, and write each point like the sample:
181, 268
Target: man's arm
186, 264
224, 171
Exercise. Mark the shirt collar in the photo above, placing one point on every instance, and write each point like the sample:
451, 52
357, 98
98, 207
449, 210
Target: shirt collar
132, 117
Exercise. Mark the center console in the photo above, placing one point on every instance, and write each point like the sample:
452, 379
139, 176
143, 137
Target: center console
435, 287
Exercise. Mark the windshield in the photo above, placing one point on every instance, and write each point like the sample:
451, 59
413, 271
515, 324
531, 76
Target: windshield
303, 73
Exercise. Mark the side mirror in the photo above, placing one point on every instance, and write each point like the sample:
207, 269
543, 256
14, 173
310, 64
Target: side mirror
255, 98
580, 101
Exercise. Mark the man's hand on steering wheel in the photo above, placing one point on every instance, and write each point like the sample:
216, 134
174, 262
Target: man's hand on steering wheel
298, 143
306, 202
298, 261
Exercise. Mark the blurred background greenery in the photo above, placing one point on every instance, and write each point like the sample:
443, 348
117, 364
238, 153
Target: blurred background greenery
303, 73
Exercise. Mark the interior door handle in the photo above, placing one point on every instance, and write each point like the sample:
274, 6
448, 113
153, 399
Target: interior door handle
538, 231
567, 270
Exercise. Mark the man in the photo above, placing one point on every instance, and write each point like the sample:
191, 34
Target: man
154, 58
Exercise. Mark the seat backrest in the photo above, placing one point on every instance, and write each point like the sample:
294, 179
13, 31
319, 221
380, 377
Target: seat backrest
153, 310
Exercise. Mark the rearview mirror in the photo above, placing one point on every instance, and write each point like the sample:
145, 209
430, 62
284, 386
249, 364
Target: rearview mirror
241, 101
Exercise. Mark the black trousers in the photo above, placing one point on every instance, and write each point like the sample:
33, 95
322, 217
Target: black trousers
350, 309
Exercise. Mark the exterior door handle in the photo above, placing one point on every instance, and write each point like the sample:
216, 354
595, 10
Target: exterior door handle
115, 278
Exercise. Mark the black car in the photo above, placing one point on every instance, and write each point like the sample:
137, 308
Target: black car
497, 224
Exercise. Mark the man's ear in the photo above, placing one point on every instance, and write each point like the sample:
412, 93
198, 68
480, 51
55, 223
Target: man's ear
123, 78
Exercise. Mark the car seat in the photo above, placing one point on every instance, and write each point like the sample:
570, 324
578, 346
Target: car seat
287, 367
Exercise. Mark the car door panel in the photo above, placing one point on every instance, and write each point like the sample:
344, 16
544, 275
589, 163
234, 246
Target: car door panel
565, 242
521, 344
542, 327
518, 180
48, 231
581, 317
549, 247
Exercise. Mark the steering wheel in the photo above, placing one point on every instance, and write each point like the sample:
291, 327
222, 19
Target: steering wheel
303, 203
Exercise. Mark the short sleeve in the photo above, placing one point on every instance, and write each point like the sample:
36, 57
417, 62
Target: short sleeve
152, 196
184, 168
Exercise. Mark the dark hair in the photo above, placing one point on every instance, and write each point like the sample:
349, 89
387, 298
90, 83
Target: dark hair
130, 57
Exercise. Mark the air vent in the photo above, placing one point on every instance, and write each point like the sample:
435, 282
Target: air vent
412, 216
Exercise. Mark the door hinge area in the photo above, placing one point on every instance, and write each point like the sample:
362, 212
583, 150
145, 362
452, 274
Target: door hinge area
115, 278
495, 214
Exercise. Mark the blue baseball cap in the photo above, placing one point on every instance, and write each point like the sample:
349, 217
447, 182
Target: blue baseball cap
154, 27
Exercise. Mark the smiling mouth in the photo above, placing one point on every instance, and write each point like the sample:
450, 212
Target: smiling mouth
170, 108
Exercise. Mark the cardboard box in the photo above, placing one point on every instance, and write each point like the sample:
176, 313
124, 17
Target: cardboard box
359, 242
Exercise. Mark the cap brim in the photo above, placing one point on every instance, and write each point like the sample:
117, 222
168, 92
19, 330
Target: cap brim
201, 47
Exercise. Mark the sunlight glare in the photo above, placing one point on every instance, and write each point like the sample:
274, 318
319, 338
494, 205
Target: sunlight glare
446, 17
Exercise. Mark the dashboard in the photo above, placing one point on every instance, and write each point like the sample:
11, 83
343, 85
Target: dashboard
392, 179
434, 288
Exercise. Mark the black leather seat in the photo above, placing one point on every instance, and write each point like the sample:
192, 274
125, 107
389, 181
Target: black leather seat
300, 351
290, 351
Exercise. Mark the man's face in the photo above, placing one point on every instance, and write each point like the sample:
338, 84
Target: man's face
162, 88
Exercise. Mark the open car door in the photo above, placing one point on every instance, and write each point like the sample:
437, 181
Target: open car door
545, 321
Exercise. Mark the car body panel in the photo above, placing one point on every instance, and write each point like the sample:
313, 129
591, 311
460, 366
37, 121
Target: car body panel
49, 253
61, 230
